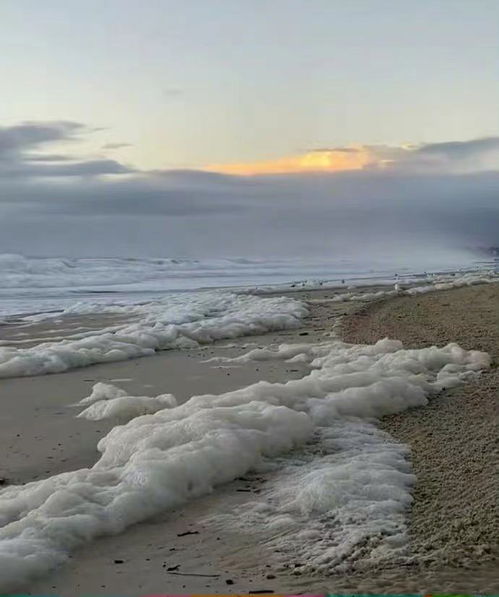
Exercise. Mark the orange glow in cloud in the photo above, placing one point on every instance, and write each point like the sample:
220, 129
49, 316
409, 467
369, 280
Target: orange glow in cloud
334, 160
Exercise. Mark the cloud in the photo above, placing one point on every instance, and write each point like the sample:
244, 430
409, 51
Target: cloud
451, 156
18, 142
340, 149
116, 145
199, 214
461, 149
17, 160
32, 169
467, 155
332, 201
48, 157
28, 135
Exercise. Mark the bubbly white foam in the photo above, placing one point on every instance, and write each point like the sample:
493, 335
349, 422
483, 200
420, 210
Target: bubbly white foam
338, 506
186, 320
178, 321
408, 285
110, 402
156, 462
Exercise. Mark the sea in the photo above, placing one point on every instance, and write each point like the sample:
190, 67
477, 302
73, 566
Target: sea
52, 284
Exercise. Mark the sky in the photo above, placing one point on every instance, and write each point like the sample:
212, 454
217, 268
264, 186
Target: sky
180, 128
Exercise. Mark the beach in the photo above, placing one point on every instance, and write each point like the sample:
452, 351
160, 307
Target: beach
452, 523
249, 298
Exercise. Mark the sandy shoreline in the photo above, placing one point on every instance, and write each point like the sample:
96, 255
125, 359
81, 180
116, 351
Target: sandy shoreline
34, 447
454, 523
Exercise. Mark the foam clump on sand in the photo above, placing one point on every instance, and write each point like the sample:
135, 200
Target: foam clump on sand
408, 285
338, 507
156, 462
448, 282
103, 391
159, 326
110, 402
437, 282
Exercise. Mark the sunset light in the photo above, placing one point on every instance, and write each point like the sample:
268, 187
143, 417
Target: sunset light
323, 160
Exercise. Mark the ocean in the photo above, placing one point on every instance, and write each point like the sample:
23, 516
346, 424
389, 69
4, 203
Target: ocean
45, 284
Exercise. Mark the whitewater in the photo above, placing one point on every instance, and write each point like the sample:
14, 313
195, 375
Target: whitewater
339, 488
146, 321
43, 284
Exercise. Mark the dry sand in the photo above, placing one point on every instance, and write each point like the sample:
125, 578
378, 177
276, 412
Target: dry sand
451, 441
454, 524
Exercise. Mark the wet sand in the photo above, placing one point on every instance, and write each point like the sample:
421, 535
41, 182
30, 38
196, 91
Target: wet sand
51, 440
455, 476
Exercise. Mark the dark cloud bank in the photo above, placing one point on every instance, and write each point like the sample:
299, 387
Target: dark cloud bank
429, 198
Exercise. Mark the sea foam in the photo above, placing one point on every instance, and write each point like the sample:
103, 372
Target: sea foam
354, 489
187, 320
180, 321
